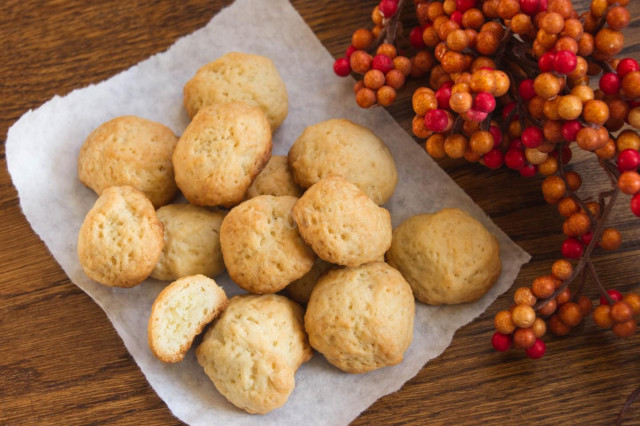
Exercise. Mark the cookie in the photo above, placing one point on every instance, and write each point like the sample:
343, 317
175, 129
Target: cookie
341, 223
275, 179
133, 151
261, 246
300, 289
361, 319
121, 238
180, 313
342, 147
253, 350
221, 152
252, 79
447, 257
191, 242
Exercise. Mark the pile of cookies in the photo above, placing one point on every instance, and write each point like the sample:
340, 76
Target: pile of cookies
306, 229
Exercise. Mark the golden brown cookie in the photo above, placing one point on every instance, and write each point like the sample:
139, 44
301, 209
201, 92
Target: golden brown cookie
121, 238
252, 79
275, 179
342, 147
300, 289
261, 246
254, 349
361, 319
447, 257
180, 313
191, 242
130, 150
221, 152
341, 223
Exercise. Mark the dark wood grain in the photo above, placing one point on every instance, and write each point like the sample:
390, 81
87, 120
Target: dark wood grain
62, 362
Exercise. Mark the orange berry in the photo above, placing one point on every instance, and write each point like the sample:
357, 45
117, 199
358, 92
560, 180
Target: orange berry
586, 305
481, 142
455, 145
543, 287
558, 327
503, 322
374, 79
549, 308
629, 182
621, 311
362, 38
435, 146
561, 269
524, 338
524, 296
633, 299
564, 296
602, 316
610, 239
568, 206
553, 187
539, 327
386, 95
570, 314
625, 329
366, 98
576, 225
523, 316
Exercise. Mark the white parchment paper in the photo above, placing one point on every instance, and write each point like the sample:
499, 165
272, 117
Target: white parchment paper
42, 150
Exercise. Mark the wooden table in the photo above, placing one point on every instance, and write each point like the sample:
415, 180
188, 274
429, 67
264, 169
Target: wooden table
62, 361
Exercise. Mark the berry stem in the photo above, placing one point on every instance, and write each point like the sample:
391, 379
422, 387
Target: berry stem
391, 27
603, 291
634, 395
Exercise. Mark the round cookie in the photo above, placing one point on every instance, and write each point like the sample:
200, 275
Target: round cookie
342, 147
275, 179
261, 246
133, 151
191, 242
243, 77
254, 349
180, 313
361, 319
447, 257
300, 289
341, 223
120, 239
221, 152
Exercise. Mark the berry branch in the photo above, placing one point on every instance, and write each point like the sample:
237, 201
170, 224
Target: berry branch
507, 83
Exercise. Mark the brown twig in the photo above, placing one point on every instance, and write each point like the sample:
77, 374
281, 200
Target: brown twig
634, 395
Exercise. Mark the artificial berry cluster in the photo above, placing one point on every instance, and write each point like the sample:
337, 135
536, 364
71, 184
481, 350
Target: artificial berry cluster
508, 83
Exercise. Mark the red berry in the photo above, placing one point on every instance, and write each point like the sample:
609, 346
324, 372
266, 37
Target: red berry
475, 115
565, 61
415, 38
546, 61
382, 63
586, 238
436, 120
635, 204
566, 154
497, 135
529, 170
493, 159
526, 90
501, 342
570, 130
514, 159
484, 102
443, 94
388, 8
341, 67
516, 144
610, 83
532, 137
628, 159
349, 51
614, 294
572, 248
626, 66
530, 7
543, 6
464, 5
537, 350
457, 17
507, 110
